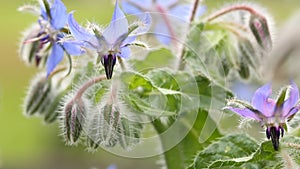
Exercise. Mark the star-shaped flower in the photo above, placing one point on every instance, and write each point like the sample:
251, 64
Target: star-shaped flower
169, 15
113, 42
53, 18
273, 114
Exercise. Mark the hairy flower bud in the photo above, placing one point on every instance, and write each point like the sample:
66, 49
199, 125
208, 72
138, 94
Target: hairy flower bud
225, 68
102, 127
38, 92
244, 70
260, 29
74, 118
51, 111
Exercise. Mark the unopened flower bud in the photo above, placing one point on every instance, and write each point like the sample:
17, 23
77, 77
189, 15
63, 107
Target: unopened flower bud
74, 118
33, 46
129, 133
39, 90
244, 70
260, 29
225, 68
51, 111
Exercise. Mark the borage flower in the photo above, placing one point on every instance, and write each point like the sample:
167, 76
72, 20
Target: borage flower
113, 42
273, 114
169, 15
47, 34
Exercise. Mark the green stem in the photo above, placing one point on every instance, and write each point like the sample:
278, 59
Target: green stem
183, 51
173, 157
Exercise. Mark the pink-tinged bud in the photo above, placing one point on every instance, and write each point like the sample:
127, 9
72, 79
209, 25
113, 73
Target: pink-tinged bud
260, 29
33, 47
74, 118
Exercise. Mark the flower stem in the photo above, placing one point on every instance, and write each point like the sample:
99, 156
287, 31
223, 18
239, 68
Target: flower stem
56, 71
292, 145
87, 85
235, 8
183, 51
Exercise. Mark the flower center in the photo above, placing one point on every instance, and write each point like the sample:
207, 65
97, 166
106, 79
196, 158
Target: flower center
109, 61
274, 133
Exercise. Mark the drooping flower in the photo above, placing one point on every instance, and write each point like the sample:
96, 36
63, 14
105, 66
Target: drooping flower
273, 114
169, 16
113, 42
45, 36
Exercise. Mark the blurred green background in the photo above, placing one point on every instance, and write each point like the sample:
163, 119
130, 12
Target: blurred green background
27, 142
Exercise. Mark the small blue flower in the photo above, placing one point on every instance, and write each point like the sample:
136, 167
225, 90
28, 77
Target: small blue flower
271, 113
113, 42
112, 166
52, 21
164, 11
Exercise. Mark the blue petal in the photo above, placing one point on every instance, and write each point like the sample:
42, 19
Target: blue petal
292, 111
73, 48
260, 97
292, 99
55, 57
112, 167
261, 100
128, 40
144, 24
166, 3
125, 52
244, 112
43, 10
201, 10
181, 11
162, 33
117, 27
131, 7
80, 33
44, 13
59, 14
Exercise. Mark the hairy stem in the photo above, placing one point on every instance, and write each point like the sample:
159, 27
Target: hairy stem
183, 51
235, 8
88, 84
292, 145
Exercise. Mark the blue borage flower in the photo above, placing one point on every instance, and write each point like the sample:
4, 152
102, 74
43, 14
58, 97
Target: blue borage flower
271, 113
113, 42
53, 18
164, 27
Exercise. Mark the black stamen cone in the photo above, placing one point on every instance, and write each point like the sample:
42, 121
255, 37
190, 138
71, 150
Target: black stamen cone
275, 134
109, 62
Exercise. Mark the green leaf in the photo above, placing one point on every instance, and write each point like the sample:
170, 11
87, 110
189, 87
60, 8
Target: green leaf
214, 48
142, 96
179, 156
292, 145
229, 147
155, 59
239, 151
